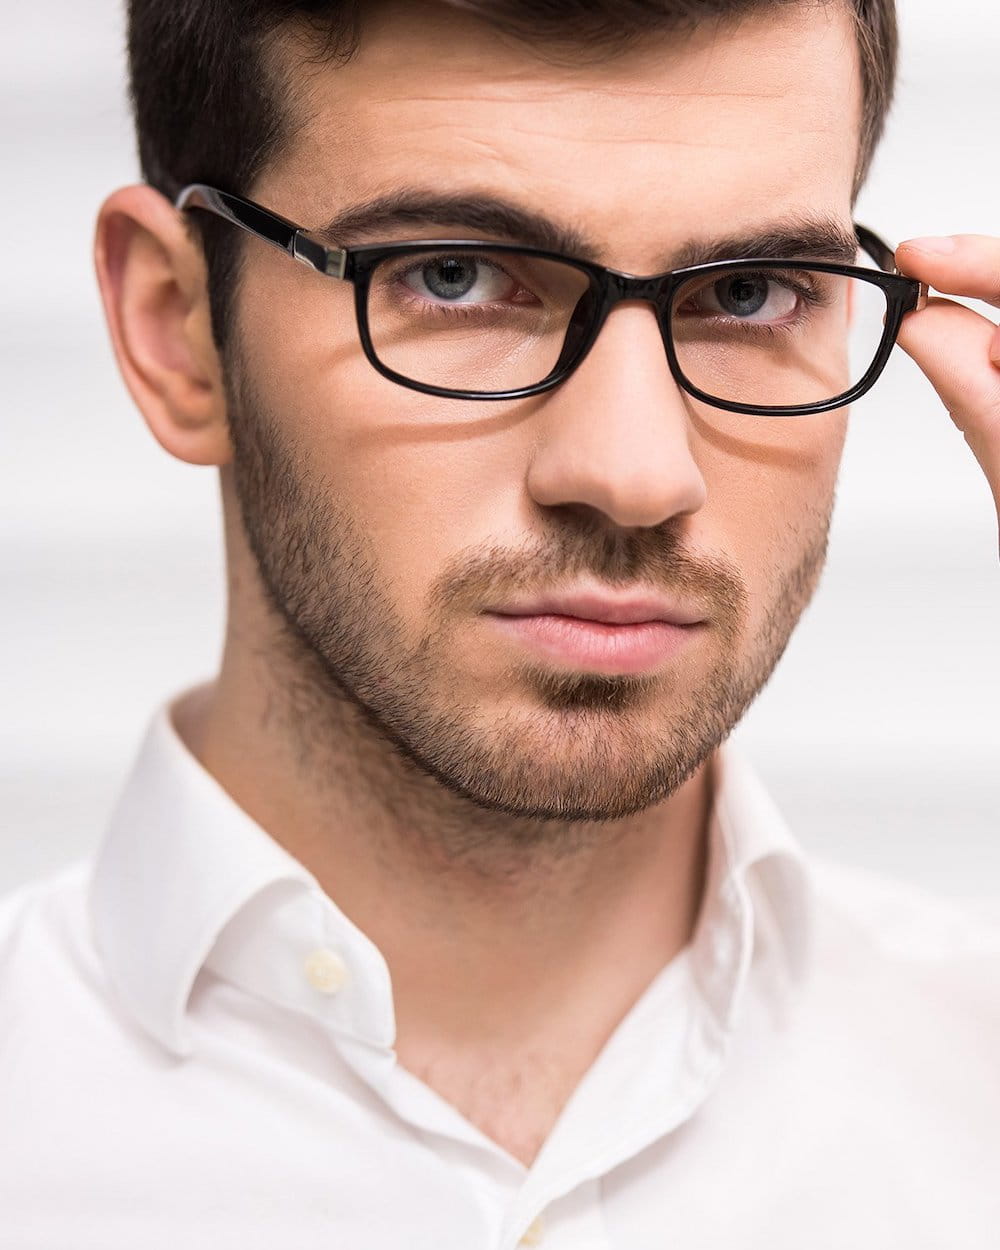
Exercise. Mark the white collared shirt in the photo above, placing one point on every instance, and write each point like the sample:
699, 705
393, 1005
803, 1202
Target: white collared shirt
196, 1051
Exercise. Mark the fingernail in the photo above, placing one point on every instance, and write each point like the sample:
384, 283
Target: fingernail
936, 247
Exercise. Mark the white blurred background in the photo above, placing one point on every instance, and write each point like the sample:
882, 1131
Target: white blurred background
878, 735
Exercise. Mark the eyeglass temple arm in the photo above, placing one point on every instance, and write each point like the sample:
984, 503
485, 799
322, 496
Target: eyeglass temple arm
285, 234
877, 249
885, 257
272, 228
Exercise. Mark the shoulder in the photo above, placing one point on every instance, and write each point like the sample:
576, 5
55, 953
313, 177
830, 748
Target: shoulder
37, 897
882, 944
44, 925
899, 917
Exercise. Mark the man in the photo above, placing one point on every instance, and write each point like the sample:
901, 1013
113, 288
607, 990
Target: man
442, 917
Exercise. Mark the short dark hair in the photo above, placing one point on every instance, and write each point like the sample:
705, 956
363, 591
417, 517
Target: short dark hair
209, 109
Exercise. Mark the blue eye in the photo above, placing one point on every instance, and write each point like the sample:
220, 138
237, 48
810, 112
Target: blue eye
742, 296
458, 278
748, 298
450, 277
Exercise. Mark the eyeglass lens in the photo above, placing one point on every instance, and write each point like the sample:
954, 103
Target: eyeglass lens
490, 322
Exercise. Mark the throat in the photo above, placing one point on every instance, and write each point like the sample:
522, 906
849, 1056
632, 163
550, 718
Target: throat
515, 1101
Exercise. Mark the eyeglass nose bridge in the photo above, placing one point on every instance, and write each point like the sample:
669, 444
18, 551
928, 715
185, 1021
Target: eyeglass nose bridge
590, 314
616, 288
652, 290
628, 286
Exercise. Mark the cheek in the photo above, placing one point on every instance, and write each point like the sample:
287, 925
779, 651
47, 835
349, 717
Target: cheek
770, 488
425, 479
298, 336
437, 507
298, 333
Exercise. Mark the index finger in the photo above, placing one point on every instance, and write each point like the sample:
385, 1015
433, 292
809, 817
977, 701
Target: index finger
961, 264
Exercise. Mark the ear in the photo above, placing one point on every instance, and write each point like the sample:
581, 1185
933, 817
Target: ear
153, 284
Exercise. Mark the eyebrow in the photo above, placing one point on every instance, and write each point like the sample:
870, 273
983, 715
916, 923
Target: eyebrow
803, 237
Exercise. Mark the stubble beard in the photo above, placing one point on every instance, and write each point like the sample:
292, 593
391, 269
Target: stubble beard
346, 685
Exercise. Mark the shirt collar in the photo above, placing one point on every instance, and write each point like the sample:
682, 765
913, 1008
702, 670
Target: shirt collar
757, 901
184, 878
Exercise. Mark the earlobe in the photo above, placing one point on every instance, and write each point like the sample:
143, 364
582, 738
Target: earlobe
152, 279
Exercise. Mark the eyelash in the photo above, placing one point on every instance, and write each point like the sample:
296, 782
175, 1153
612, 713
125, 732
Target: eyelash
452, 312
812, 298
810, 294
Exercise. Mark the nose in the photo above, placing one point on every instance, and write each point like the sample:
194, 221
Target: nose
616, 434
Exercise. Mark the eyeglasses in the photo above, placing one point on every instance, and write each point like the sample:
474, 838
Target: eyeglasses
477, 320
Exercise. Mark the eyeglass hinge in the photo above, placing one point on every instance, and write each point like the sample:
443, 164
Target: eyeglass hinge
922, 295
332, 261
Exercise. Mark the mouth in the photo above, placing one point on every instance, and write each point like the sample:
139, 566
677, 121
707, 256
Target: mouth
598, 646
595, 604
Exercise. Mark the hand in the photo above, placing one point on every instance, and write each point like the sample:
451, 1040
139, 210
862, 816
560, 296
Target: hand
959, 349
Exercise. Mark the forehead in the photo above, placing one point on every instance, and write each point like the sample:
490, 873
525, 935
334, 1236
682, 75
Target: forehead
723, 128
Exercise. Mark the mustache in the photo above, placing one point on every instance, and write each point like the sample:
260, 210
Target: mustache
654, 559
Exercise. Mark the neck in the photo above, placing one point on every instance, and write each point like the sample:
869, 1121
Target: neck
503, 936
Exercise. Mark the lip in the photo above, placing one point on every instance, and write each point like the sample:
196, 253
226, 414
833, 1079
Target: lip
590, 605
596, 646
589, 628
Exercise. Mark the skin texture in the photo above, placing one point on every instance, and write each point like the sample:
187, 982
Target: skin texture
524, 841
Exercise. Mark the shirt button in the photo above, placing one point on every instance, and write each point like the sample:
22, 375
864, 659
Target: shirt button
533, 1233
326, 971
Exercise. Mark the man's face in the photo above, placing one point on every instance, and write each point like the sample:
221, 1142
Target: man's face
385, 523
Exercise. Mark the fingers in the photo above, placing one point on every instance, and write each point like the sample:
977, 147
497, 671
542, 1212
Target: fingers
951, 344
956, 347
962, 264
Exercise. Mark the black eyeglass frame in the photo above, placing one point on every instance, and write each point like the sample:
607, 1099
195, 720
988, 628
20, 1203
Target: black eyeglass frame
609, 286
